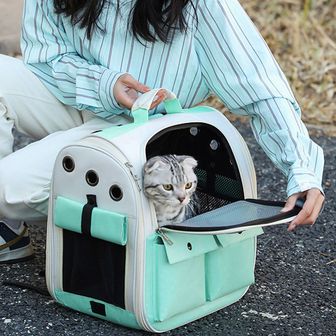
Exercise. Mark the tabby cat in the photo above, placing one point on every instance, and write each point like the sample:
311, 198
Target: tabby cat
170, 182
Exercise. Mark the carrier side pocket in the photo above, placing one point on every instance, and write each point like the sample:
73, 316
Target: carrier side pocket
231, 266
178, 274
180, 286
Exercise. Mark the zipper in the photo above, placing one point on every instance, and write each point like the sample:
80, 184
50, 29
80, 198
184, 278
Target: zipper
139, 281
50, 279
53, 281
136, 178
139, 275
164, 236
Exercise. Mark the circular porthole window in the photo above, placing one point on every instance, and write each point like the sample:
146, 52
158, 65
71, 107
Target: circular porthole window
214, 144
116, 193
193, 131
92, 178
68, 164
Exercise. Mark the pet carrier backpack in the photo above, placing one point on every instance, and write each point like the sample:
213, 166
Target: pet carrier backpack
106, 255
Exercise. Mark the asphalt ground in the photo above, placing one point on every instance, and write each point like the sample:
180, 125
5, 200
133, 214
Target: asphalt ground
294, 293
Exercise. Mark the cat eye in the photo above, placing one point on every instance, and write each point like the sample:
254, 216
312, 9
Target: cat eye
188, 185
167, 187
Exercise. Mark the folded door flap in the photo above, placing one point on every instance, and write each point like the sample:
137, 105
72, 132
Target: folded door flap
227, 239
104, 224
184, 246
237, 216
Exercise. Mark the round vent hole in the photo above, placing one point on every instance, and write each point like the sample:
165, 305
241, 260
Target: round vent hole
92, 178
68, 164
116, 193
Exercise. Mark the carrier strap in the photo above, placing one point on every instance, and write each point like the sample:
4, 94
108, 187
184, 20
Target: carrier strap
87, 214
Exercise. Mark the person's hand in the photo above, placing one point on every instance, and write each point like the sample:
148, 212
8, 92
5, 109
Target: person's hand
310, 210
127, 88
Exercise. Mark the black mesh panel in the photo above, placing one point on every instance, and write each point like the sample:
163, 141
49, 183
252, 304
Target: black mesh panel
94, 268
208, 202
219, 181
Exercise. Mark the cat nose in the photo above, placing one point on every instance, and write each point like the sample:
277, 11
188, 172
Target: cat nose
181, 198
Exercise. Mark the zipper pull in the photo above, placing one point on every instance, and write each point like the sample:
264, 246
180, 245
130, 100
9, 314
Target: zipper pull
164, 236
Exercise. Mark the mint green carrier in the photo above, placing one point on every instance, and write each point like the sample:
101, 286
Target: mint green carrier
106, 255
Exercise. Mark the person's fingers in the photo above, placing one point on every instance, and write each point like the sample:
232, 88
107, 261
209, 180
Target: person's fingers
317, 209
125, 100
310, 210
290, 204
125, 90
302, 217
132, 83
160, 97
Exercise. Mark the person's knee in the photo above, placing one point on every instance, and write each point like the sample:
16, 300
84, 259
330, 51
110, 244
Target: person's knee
19, 199
7, 179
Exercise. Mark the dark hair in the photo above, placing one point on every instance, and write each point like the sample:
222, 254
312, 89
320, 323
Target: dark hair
164, 16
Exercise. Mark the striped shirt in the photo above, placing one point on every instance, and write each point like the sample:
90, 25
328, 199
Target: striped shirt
223, 54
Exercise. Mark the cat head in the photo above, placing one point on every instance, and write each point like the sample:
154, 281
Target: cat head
170, 179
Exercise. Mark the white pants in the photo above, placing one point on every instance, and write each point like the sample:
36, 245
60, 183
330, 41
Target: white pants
26, 104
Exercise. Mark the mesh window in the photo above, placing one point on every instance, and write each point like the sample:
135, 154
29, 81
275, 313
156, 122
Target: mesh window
208, 202
228, 188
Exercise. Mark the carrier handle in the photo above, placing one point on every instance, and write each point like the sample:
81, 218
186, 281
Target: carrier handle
142, 105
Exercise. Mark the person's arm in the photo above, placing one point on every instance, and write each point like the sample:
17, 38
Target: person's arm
238, 66
75, 81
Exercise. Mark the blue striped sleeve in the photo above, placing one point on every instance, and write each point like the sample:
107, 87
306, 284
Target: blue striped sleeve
287, 143
49, 54
238, 66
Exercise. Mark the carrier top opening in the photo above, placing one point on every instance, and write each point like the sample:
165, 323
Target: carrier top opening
219, 180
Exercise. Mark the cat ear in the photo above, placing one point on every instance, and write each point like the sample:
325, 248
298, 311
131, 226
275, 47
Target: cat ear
153, 164
189, 161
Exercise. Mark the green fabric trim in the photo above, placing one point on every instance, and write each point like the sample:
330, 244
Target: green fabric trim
140, 115
113, 314
109, 226
115, 131
173, 106
105, 225
68, 214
